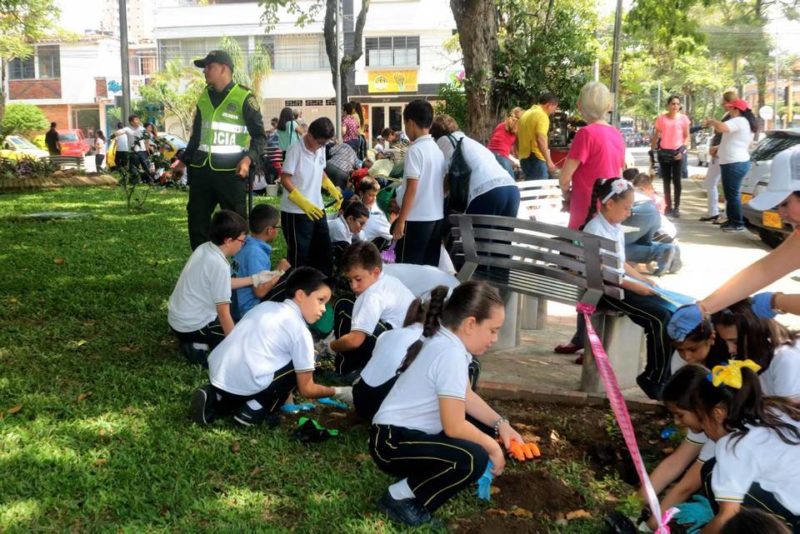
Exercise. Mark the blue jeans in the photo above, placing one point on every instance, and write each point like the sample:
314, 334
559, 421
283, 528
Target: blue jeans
732, 177
506, 164
534, 168
646, 220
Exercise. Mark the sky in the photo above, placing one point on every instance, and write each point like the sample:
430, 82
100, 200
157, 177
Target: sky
80, 15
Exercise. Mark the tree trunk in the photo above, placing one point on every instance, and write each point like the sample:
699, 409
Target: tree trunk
348, 60
476, 21
2, 89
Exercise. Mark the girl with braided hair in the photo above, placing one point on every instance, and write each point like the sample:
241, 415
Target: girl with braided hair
757, 453
422, 432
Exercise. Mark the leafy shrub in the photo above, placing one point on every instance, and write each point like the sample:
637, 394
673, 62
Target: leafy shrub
26, 168
23, 119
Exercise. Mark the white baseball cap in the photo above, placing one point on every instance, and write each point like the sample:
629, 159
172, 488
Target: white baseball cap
784, 180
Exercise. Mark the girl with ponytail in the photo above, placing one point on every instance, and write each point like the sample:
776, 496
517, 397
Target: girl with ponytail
641, 303
421, 433
757, 450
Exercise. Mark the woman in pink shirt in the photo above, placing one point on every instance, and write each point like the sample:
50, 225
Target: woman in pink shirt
671, 136
597, 152
503, 141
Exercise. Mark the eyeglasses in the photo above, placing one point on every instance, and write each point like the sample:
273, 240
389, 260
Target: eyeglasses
241, 240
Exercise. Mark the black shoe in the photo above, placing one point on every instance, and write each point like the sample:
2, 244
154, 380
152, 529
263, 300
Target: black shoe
720, 222
712, 218
202, 408
676, 213
249, 417
406, 511
650, 388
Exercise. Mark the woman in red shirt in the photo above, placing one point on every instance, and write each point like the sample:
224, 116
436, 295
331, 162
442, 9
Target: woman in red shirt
504, 139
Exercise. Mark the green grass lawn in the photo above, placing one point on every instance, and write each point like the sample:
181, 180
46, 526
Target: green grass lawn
94, 433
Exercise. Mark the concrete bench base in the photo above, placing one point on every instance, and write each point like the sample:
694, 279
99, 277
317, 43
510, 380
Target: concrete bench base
624, 342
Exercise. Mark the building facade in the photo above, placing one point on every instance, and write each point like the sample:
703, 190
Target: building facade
403, 55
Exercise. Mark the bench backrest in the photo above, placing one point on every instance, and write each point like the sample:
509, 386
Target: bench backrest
538, 259
540, 200
66, 161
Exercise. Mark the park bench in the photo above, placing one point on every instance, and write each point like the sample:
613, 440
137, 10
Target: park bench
532, 262
67, 162
541, 200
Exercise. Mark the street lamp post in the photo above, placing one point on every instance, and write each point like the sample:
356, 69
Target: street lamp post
615, 64
339, 81
123, 50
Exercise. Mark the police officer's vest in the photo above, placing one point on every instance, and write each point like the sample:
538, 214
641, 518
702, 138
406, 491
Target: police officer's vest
223, 136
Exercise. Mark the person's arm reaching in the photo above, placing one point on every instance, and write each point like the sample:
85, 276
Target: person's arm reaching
455, 425
726, 511
350, 341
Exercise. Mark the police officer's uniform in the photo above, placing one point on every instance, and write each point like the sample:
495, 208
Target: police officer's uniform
224, 123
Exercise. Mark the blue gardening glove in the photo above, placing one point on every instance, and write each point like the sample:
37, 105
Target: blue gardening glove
762, 305
485, 484
330, 402
683, 321
695, 514
295, 408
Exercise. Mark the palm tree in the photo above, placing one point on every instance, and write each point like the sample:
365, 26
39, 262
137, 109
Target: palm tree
257, 69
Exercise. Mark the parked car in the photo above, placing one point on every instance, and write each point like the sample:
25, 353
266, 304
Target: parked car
17, 147
172, 144
767, 224
73, 143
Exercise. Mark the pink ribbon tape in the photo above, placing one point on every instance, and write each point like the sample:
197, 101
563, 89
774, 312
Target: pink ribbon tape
623, 418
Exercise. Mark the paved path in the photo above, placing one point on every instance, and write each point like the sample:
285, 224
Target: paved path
710, 257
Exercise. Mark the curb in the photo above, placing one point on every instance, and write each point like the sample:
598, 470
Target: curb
503, 391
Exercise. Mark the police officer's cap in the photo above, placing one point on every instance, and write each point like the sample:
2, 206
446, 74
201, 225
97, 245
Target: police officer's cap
215, 56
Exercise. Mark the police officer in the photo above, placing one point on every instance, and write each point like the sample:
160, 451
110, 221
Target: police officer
218, 161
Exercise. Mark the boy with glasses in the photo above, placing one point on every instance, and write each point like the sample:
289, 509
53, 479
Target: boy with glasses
254, 257
305, 227
199, 311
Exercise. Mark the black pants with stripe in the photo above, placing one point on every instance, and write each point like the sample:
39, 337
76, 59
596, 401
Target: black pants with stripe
283, 383
368, 399
211, 334
437, 467
308, 243
357, 358
421, 243
756, 497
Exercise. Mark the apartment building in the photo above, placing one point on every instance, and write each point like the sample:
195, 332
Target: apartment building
403, 54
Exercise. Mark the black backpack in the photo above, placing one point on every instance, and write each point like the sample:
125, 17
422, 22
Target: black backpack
458, 176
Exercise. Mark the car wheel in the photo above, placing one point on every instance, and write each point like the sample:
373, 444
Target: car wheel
770, 238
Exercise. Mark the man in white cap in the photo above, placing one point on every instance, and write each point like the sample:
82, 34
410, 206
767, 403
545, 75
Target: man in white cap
228, 117
782, 192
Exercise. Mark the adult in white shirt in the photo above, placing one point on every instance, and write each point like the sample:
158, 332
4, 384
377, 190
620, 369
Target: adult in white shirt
734, 158
491, 190
139, 146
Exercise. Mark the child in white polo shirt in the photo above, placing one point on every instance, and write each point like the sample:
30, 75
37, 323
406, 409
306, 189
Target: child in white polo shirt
347, 228
381, 304
268, 354
422, 433
302, 210
378, 227
418, 227
199, 307
757, 452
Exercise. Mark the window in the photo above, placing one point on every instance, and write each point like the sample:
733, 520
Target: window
22, 69
49, 62
142, 65
396, 51
43, 64
292, 103
314, 102
300, 52
330, 102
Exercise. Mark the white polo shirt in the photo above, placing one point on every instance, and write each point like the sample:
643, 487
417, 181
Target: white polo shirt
421, 279
388, 354
735, 144
340, 232
486, 171
205, 281
425, 163
440, 370
599, 226
377, 224
266, 339
306, 168
701, 440
782, 377
386, 300
759, 456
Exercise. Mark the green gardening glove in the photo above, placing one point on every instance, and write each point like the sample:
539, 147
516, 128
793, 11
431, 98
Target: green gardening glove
314, 213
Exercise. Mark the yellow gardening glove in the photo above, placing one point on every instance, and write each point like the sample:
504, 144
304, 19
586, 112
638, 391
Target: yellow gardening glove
314, 213
333, 191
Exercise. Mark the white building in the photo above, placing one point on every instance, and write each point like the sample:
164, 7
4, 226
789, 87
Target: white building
403, 54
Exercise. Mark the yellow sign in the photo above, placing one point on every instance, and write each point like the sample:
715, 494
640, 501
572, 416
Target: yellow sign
746, 198
392, 81
771, 219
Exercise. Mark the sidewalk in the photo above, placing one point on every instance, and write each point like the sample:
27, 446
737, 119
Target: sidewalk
710, 257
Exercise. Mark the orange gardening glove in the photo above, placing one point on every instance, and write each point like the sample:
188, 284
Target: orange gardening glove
524, 451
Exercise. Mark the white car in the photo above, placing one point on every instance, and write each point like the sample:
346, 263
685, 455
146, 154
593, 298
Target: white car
17, 147
766, 224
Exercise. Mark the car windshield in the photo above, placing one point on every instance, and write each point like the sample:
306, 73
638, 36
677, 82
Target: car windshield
771, 145
67, 137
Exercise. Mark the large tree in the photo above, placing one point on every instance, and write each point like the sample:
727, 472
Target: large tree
249, 71
22, 23
177, 88
308, 13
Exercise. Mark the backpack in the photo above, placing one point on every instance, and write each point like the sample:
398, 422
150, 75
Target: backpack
458, 176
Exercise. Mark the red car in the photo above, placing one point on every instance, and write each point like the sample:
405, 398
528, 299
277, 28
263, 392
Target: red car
73, 143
